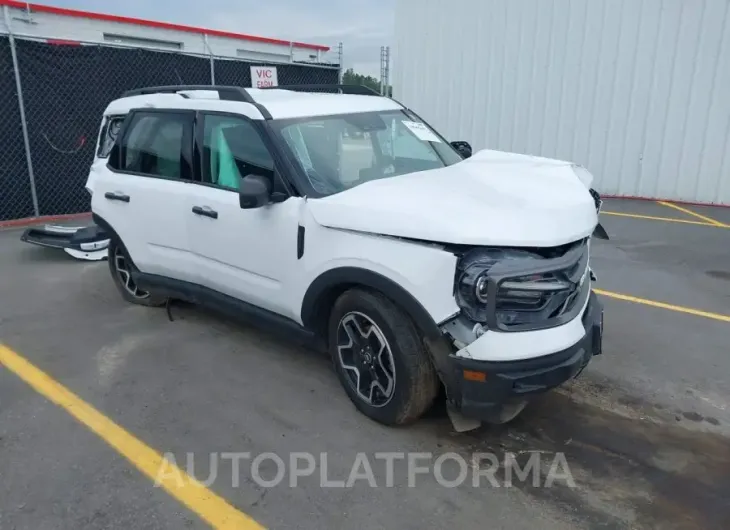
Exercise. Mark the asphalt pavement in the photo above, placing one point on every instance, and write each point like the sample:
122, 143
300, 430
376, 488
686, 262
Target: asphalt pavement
644, 431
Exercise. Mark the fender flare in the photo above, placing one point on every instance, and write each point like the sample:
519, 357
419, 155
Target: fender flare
321, 289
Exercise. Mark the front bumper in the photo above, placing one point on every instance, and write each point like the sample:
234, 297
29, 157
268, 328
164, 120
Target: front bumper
485, 387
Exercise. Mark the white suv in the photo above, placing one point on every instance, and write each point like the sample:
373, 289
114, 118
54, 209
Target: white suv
343, 218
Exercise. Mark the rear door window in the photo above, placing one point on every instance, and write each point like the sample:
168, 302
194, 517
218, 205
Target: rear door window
158, 144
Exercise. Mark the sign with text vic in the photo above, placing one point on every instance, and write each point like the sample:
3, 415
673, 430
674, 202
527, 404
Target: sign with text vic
263, 76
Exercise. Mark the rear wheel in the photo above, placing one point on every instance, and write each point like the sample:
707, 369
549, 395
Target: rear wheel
121, 268
380, 358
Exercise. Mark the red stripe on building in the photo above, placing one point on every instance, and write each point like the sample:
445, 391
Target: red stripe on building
63, 42
155, 24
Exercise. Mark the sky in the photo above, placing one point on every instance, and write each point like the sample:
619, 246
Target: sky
363, 26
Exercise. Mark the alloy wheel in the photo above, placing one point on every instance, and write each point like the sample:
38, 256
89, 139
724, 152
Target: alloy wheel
122, 266
367, 359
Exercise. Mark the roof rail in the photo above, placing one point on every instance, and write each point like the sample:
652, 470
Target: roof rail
227, 93
360, 90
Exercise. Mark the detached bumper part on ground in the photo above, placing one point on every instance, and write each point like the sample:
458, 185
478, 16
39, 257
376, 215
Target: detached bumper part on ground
484, 389
81, 242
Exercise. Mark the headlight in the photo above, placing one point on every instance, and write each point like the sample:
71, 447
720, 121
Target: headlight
472, 292
496, 286
481, 289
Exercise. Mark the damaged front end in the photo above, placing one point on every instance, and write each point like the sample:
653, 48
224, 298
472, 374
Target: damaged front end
528, 322
519, 289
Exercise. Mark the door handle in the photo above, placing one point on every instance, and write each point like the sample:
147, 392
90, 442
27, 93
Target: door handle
116, 196
205, 211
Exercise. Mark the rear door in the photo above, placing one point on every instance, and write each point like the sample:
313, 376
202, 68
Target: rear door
142, 191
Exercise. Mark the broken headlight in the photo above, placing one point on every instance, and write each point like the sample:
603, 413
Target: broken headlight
472, 287
514, 295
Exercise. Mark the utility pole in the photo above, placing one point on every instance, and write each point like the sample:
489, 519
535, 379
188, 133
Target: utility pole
384, 70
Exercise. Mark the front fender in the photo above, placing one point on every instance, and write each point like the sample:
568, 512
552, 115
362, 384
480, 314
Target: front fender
317, 296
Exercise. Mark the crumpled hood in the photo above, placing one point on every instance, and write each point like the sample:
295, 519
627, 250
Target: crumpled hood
493, 198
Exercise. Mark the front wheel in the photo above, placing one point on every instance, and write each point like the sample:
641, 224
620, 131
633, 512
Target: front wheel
380, 358
121, 268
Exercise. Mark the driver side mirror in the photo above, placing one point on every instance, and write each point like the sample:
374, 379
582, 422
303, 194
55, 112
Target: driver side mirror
463, 148
254, 191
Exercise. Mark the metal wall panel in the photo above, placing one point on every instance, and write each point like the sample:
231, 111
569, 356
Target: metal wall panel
638, 91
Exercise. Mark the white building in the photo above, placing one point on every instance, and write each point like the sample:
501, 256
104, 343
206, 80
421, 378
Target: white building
638, 91
71, 25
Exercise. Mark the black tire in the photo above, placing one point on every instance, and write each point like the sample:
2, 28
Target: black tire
119, 259
415, 383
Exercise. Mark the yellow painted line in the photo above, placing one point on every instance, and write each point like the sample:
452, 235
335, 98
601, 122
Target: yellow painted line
210, 507
667, 219
694, 214
662, 305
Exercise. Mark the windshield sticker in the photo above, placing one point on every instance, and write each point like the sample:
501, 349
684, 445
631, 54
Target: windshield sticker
421, 131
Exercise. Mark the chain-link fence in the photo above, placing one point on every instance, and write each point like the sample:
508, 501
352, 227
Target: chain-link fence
16, 199
63, 92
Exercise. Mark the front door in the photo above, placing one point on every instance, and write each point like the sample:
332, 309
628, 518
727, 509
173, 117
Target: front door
249, 254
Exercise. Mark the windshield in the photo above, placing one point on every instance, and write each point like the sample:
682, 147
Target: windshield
339, 152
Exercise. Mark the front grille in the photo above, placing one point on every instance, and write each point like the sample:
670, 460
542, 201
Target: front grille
549, 295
